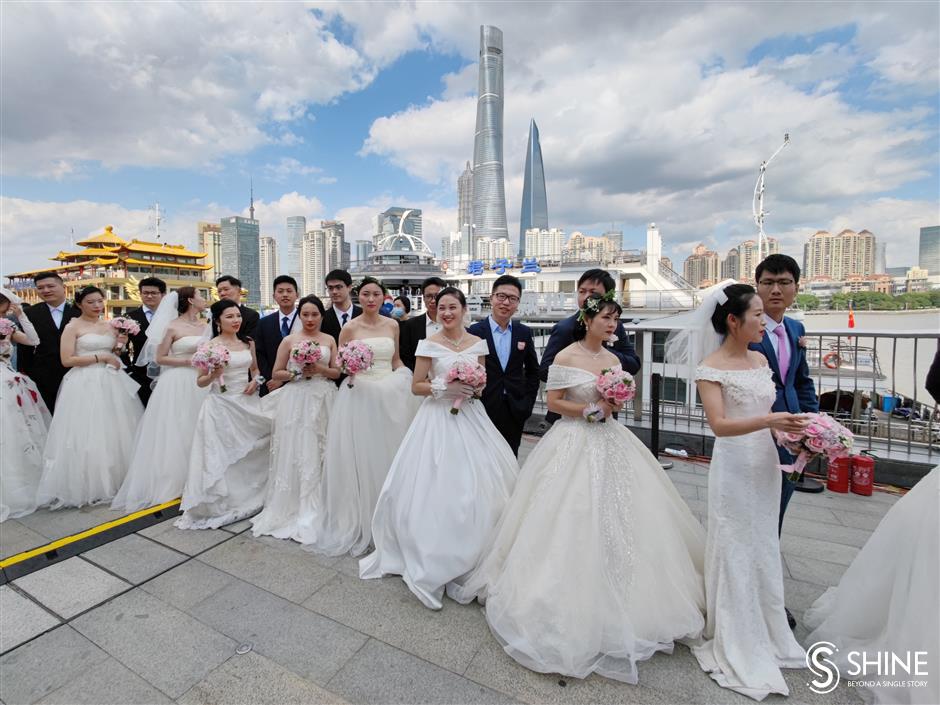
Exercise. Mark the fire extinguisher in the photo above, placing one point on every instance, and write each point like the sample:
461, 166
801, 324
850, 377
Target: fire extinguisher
863, 474
839, 472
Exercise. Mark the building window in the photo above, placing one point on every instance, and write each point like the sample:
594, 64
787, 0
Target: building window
659, 346
674, 389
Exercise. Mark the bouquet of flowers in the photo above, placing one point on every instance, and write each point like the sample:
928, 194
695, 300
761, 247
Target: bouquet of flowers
473, 374
305, 352
823, 436
209, 357
124, 326
6, 328
354, 357
615, 386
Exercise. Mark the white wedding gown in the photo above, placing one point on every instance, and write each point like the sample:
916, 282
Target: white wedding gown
749, 640
445, 491
92, 432
160, 461
24, 424
597, 561
301, 414
368, 423
228, 463
887, 599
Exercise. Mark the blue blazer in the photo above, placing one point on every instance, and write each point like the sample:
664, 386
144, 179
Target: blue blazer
518, 385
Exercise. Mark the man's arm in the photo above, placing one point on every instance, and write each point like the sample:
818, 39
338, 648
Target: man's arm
532, 371
803, 381
406, 351
624, 349
261, 351
559, 339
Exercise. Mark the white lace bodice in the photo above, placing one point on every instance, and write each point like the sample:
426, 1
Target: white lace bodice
443, 358
746, 393
95, 344
383, 349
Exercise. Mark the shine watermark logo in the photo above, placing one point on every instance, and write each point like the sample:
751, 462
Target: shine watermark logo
881, 669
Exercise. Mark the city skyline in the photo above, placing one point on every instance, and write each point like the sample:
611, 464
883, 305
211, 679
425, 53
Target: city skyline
534, 199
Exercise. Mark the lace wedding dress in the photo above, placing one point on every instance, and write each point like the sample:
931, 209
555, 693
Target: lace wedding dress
597, 561
301, 415
445, 491
749, 640
160, 460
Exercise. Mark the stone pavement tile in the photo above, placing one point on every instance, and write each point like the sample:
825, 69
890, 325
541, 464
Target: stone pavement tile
281, 567
868, 522
383, 674
45, 664
61, 522
679, 678
347, 565
258, 680
238, 527
688, 477
20, 619
833, 533
820, 550
805, 511
387, 610
697, 505
168, 648
106, 683
310, 645
184, 540
493, 668
134, 558
71, 587
16, 538
798, 682
686, 491
811, 570
845, 502
188, 584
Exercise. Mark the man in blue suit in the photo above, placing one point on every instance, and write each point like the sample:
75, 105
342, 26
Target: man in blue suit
274, 327
512, 366
593, 281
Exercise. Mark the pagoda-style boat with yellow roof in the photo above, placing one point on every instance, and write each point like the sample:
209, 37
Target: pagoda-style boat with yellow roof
116, 265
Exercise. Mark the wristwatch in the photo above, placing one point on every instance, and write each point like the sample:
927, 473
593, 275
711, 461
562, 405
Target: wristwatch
260, 380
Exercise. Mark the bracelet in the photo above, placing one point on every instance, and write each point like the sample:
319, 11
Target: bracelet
260, 380
590, 411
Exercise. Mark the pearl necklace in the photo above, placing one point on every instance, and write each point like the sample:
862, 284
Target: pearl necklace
593, 355
455, 344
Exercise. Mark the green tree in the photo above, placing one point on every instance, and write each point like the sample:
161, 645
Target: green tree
807, 302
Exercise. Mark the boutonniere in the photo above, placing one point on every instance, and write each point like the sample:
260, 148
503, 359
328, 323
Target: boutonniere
801, 341
520, 345
611, 340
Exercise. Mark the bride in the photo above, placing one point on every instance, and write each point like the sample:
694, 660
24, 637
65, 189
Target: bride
159, 462
366, 428
452, 476
597, 561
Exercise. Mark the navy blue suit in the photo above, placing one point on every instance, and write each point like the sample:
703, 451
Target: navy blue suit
510, 394
563, 335
267, 340
796, 394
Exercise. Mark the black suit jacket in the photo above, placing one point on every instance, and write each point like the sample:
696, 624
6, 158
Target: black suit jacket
134, 347
250, 319
267, 340
43, 363
518, 384
410, 332
331, 324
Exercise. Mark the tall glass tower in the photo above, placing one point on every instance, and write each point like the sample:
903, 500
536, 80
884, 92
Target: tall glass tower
241, 254
534, 201
489, 194
296, 227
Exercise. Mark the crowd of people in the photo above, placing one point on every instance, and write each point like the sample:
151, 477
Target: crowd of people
586, 558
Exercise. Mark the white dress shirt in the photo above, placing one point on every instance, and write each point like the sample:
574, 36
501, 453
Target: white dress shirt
57, 312
340, 312
431, 327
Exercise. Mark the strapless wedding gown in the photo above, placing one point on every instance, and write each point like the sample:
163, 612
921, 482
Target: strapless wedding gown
368, 423
597, 561
228, 463
445, 491
301, 415
92, 433
160, 460
24, 425
749, 640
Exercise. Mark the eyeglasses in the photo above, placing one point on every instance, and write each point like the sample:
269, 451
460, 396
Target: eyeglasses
430, 297
769, 283
506, 298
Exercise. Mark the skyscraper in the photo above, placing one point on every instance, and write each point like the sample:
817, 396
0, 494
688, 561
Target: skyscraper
267, 252
335, 242
838, 256
702, 267
465, 198
296, 227
209, 239
929, 254
240, 254
315, 256
390, 223
534, 201
363, 250
489, 194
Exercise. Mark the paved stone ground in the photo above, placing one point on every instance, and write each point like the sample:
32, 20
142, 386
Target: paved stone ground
157, 616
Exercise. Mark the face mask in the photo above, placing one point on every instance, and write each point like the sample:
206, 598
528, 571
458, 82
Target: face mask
398, 312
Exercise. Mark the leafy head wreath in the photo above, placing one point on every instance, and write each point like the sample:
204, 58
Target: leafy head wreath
593, 303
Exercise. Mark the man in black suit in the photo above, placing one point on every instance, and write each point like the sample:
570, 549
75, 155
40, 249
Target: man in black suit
512, 366
420, 327
231, 288
274, 327
593, 281
152, 291
43, 362
342, 311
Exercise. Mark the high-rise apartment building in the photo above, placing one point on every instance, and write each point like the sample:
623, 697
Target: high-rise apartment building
296, 227
616, 239
239, 256
839, 256
465, 197
547, 244
584, 248
209, 240
929, 251
702, 268
315, 256
749, 257
363, 250
534, 200
881, 257
267, 252
489, 194
336, 243
490, 249
731, 265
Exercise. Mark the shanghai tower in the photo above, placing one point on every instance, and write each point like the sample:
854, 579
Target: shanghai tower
534, 201
489, 195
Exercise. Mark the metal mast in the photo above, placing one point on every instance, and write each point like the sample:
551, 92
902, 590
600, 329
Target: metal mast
757, 205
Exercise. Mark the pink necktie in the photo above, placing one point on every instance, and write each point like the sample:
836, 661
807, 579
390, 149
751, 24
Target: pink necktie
783, 351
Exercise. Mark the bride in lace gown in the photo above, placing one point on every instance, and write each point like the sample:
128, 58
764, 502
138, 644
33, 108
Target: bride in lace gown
96, 413
596, 563
451, 478
302, 411
748, 638
160, 460
228, 463
368, 422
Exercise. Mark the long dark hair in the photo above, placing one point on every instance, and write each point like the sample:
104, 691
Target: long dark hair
220, 307
87, 291
594, 305
739, 299
185, 293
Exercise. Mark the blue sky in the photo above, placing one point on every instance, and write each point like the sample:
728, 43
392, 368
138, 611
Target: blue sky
341, 111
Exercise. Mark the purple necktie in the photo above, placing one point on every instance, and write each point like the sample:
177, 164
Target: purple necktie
783, 351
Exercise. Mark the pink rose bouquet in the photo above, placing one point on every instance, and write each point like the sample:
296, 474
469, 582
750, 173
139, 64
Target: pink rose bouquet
124, 326
823, 436
473, 374
305, 352
354, 357
616, 386
209, 357
6, 328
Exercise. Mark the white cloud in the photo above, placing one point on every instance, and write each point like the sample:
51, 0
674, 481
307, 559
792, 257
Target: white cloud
289, 167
